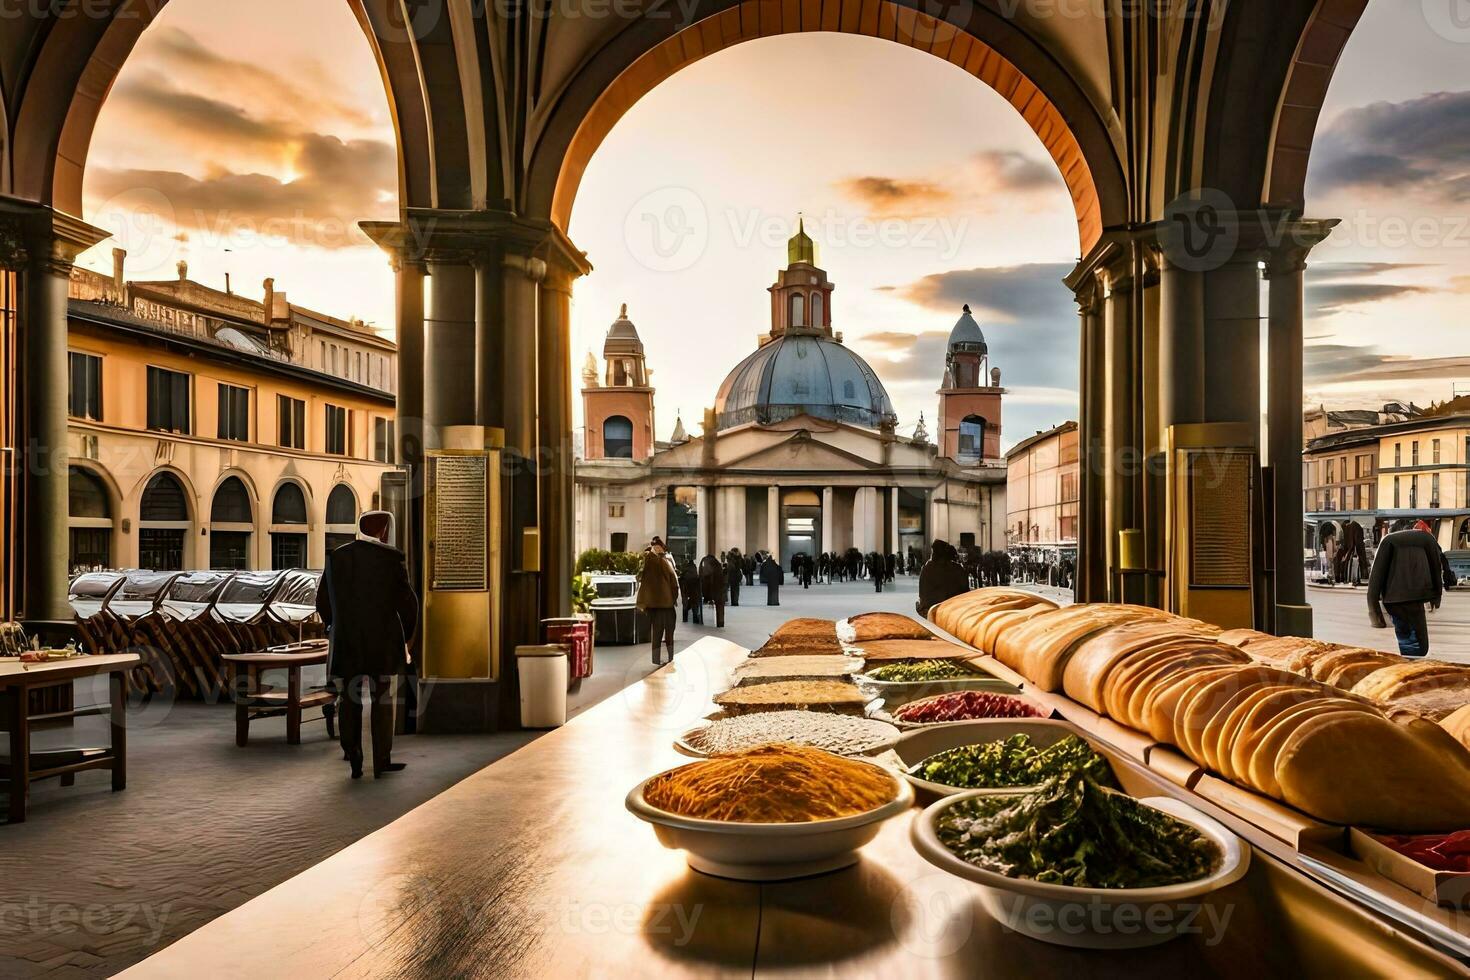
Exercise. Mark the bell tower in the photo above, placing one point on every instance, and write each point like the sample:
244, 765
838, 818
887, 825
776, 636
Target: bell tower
969, 396
801, 298
618, 410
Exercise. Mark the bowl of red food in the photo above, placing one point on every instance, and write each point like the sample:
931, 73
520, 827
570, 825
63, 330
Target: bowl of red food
1436, 866
951, 707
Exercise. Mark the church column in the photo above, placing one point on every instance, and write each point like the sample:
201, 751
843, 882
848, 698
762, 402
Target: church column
57, 239
1120, 435
409, 273
773, 521
704, 521
1284, 271
732, 519
829, 518
554, 433
893, 520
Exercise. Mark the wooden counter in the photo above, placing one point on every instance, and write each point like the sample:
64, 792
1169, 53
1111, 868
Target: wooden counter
532, 867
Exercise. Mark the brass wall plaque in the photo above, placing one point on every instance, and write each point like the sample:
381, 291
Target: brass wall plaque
459, 556
1220, 519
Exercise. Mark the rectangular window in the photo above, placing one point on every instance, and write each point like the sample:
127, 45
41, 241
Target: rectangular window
168, 401
357, 366
1395, 492
1414, 453
384, 448
619, 541
1330, 472
84, 386
1398, 454
291, 422
1413, 492
337, 430
1434, 490
1434, 451
234, 413
616, 510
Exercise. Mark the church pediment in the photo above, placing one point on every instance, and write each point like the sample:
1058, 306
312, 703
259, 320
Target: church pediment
800, 450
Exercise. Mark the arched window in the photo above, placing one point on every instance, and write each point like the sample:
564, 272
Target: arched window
90, 532
231, 504
617, 437
341, 505
972, 436
341, 517
288, 548
231, 520
163, 524
290, 505
817, 309
798, 310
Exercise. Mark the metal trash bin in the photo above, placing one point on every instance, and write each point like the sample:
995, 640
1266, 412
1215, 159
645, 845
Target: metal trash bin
543, 672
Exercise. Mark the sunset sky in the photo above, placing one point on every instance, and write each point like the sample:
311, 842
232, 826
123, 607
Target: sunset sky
244, 147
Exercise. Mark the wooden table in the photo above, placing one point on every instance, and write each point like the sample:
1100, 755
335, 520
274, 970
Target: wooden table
252, 703
533, 867
16, 682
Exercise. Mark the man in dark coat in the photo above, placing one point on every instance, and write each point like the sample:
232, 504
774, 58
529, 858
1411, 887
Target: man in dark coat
772, 578
658, 596
750, 569
370, 612
734, 574
942, 577
693, 598
1408, 574
875, 569
712, 586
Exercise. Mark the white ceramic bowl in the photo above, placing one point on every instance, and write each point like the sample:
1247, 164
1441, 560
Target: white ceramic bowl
686, 746
768, 851
918, 744
1090, 918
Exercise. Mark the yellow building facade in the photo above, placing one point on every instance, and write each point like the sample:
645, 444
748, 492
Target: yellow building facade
1042, 488
206, 430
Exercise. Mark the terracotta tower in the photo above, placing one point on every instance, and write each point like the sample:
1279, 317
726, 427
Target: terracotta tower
969, 397
618, 411
801, 298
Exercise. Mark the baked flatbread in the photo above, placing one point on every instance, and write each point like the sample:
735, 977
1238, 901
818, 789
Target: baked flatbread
887, 626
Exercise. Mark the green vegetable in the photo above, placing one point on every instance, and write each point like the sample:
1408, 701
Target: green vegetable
923, 670
1072, 831
1014, 761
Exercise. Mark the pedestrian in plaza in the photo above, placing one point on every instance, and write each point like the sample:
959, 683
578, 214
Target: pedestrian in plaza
749, 569
370, 612
1408, 575
712, 586
942, 577
689, 589
772, 577
658, 596
875, 569
807, 566
734, 574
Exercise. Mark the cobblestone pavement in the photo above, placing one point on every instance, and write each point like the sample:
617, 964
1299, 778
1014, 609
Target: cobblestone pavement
94, 881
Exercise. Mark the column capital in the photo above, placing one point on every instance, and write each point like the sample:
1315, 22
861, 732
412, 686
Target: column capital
483, 237
42, 237
1295, 239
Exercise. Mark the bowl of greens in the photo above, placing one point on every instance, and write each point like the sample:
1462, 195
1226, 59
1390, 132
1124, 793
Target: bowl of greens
1077, 863
906, 680
1000, 753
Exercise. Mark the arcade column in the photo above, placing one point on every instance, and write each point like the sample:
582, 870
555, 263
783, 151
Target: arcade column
1091, 583
829, 518
53, 241
1285, 265
554, 458
773, 521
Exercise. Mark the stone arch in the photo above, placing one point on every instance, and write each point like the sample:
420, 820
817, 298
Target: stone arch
79, 57
342, 496
980, 41
284, 501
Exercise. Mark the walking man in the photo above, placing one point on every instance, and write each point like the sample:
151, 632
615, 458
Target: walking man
734, 575
658, 596
772, 576
1409, 572
368, 606
712, 586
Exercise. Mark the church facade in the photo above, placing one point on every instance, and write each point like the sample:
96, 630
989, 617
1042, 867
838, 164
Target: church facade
799, 452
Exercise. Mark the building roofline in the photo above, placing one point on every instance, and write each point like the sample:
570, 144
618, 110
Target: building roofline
98, 315
1372, 433
1029, 441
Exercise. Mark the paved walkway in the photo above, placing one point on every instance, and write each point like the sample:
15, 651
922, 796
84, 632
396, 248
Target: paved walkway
94, 881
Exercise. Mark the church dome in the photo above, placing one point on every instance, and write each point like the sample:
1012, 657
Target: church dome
798, 374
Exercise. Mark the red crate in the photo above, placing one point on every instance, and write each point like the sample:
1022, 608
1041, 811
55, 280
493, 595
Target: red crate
576, 633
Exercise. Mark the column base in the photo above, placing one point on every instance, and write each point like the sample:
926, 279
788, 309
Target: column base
449, 706
1293, 620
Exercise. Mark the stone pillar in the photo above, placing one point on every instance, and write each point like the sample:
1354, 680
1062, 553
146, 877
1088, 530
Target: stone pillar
520, 277
893, 520
829, 518
54, 242
1120, 439
1231, 365
773, 521
490, 341
1284, 270
449, 348
1091, 548
409, 419
732, 519
704, 522
555, 465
